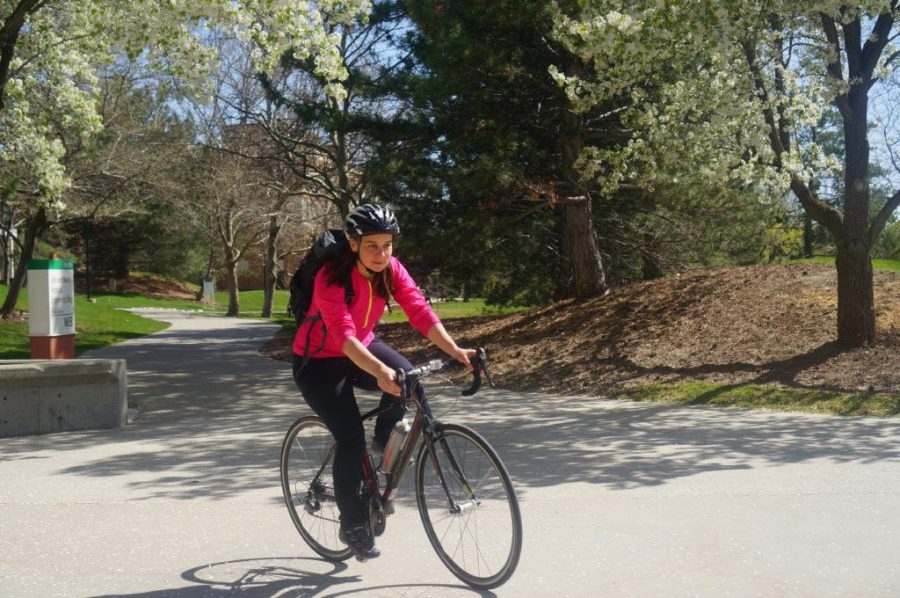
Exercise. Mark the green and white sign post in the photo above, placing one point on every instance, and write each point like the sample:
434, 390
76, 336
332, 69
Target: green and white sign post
51, 309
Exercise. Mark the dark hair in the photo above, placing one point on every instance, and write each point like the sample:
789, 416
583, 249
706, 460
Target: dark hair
342, 269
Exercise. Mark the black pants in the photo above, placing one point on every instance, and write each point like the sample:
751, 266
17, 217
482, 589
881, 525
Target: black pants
327, 387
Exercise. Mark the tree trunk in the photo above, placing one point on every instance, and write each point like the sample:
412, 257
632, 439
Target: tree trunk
231, 283
9, 260
563, 279
36, 226
651, 266
9, 36
651, 262
342, 165
7, 240
269, 275
856, 301
807, 235
588, 277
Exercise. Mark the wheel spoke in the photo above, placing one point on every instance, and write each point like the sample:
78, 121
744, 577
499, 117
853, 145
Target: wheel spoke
481, 541
308, 488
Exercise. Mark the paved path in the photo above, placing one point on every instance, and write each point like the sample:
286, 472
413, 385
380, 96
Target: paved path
618, 499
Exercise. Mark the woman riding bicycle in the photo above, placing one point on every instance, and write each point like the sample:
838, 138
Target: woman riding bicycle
335, 350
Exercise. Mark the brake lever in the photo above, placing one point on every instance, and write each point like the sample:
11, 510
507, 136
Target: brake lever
400, 378
479, 364
487, 372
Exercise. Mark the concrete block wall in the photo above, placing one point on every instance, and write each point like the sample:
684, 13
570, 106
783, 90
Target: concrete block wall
39, 397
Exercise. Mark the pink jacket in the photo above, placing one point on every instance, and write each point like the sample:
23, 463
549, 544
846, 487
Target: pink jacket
364, 312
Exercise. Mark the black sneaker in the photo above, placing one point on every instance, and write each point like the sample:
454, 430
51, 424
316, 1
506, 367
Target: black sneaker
360, 542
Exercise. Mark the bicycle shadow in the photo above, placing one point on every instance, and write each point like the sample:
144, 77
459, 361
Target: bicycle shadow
293, 577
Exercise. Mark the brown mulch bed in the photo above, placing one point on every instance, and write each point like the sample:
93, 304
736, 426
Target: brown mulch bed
763, 324
155, 288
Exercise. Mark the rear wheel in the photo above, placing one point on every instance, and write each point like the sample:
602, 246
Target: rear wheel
306, 482
477, 530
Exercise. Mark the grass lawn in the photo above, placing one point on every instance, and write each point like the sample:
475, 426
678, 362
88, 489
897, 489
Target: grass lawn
770, 396
97, 324
447, 310
251, 306
890, 265
101, 322
252, 301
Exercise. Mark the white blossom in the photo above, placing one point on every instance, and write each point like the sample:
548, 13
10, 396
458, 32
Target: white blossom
52, 80
697, 107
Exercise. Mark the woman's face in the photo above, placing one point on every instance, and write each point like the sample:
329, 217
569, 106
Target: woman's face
374, 250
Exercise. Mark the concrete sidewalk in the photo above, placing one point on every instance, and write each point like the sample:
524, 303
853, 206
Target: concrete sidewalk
618, 499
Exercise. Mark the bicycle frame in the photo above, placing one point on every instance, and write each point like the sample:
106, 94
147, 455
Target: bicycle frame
395, 476
423, 426
457, 473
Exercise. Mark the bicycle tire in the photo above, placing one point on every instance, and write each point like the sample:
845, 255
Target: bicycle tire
493, 523
306, 482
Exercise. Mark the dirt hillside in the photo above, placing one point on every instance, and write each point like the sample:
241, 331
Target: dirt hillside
752, 324
148, 286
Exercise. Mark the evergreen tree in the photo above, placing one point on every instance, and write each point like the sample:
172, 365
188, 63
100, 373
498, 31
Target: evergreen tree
492, 168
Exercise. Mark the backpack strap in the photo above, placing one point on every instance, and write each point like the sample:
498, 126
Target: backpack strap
349, 293
312, 320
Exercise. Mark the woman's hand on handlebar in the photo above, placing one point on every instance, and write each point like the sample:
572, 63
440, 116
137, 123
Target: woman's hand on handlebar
463, 356
360, 355
437, 334
387, 381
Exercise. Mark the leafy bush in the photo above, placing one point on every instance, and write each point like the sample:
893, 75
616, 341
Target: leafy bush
887, 246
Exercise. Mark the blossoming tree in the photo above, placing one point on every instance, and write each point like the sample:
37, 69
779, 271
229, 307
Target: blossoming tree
730, 92
50, 48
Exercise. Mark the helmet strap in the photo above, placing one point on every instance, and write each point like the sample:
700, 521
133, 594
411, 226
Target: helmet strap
369, 270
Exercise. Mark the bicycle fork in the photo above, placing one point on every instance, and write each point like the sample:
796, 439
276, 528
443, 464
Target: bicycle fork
455, 507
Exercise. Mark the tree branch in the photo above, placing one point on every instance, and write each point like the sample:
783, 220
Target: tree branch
882, 218
892, 58
9, 36
875, 45
853, 48
817, 209
835, 69
775, 137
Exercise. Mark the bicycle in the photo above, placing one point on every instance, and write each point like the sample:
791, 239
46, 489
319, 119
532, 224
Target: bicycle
465, 499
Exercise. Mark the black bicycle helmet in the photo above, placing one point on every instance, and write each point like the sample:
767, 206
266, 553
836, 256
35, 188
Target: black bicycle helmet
371, 219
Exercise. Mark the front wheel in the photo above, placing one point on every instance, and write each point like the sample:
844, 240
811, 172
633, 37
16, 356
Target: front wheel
306, 482
469, 507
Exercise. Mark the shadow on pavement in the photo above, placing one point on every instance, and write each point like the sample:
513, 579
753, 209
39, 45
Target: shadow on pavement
546, 440
289, 576
213, 414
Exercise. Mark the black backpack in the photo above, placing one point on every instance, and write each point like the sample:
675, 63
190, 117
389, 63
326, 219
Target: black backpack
325, 249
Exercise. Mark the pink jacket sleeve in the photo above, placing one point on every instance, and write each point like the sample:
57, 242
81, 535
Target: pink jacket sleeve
330, 301
407, 294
